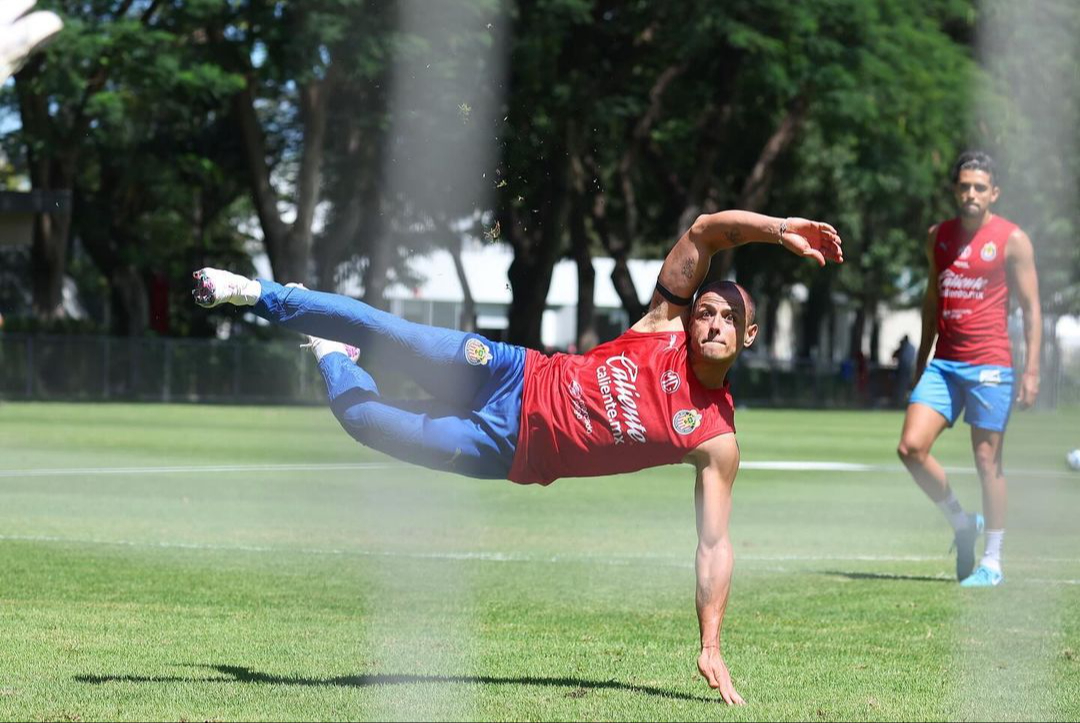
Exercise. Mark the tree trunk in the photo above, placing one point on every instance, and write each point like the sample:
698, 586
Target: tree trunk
51, 169
755, 190
58, 126
618, 245
48, 263
538, 242
585, 322
467, 320
858, 329
617, 248
530, 278
814, 310
130, 304
586, 336
376, 271
768, 320
354, 219
287, 245
874, 357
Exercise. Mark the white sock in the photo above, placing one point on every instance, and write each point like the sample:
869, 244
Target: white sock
954, 513
992, 555
250, 291
322, 347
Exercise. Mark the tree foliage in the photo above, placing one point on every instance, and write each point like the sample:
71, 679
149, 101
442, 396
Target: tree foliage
349, 134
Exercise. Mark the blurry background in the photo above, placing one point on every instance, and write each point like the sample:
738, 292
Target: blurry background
514, 167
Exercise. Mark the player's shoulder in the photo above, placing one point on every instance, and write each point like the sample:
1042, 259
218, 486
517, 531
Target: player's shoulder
720, 452
1017, 242
659, 320
939, 228
932, 234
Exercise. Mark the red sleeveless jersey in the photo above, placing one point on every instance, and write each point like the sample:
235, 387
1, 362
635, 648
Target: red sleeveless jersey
629, 404
973, 293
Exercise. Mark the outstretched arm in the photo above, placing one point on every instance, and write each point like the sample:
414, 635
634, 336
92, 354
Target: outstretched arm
1025, 281
717, 461
688, 261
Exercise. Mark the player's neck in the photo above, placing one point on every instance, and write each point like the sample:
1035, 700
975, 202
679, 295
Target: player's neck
972, 225
712, 375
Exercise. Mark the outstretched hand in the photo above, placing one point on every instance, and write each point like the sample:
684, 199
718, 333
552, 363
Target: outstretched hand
812, 239
22, 34
712, 667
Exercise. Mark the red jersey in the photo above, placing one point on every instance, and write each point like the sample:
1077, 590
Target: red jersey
629, 404
973, 293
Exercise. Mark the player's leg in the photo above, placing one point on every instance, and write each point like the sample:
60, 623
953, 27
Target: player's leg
989, 404
922, 426
451, 365
987, 447
935, 404
429, 433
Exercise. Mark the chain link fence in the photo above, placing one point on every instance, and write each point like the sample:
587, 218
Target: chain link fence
93, 368
97, 368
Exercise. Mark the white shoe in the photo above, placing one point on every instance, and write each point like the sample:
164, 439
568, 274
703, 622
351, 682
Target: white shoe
322, 347
214, 287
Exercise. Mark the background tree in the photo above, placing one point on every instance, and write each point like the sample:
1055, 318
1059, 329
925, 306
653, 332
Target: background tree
56, 101
356, 133
122, 112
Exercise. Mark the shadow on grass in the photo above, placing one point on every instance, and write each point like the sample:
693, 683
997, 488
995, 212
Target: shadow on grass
236, 674
886, 576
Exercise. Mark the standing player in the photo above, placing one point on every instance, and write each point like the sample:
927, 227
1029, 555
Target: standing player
657, 395
975, 260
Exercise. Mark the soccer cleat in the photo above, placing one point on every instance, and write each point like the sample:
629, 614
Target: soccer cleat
214, 287
983, 577
964, 544
322, 347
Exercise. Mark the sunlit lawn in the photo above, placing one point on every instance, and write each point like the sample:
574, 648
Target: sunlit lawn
197, 563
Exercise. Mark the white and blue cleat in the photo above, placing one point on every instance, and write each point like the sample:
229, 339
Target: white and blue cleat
983, 577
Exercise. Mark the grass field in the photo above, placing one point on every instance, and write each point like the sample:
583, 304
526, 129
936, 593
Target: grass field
220, 563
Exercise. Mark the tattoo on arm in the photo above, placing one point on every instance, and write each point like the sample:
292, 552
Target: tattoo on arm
688, 269
734, 236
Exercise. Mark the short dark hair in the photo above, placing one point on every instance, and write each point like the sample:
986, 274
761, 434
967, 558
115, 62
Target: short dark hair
974, 161
724, 285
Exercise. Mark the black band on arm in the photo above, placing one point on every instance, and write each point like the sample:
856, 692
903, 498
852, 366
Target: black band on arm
672, 297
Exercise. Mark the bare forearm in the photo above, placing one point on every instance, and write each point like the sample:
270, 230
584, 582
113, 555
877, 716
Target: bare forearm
714, 566
728, 229
1033, 339
688, 262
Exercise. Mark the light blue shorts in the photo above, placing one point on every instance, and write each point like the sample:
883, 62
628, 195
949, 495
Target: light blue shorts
984, 390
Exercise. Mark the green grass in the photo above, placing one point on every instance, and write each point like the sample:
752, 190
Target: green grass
395, 593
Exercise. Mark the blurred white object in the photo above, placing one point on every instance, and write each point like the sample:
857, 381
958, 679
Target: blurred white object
22, 33
1073, 459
